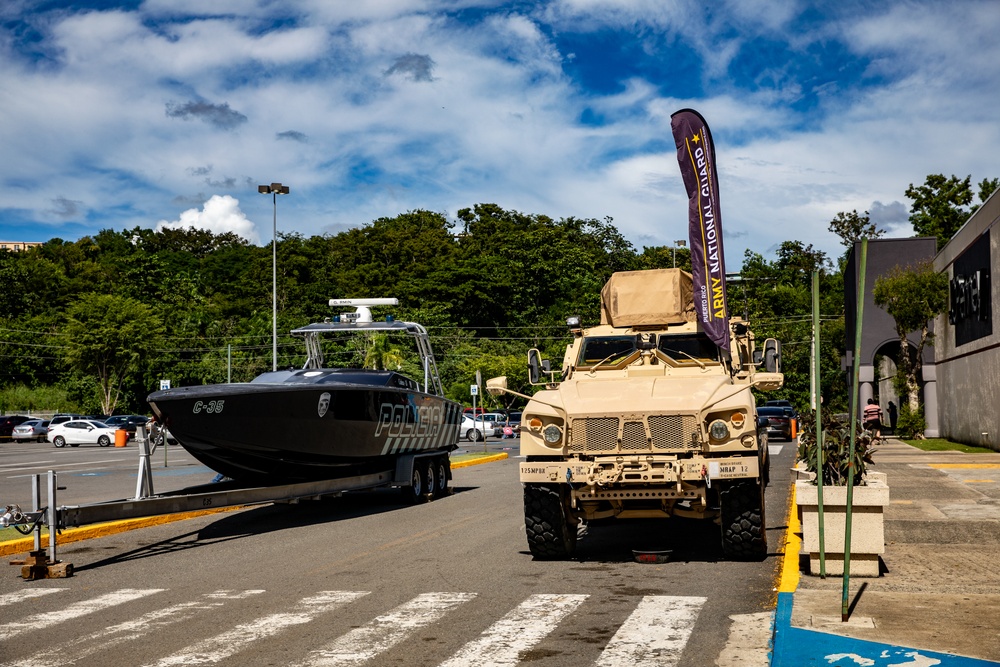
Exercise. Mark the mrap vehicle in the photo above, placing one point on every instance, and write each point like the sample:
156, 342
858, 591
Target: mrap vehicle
648, 418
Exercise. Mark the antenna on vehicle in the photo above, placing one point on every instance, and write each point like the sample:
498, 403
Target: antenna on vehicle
363, 312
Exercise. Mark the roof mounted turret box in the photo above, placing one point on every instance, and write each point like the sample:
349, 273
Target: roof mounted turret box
648, 298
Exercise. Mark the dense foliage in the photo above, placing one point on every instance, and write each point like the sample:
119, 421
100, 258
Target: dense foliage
195, 308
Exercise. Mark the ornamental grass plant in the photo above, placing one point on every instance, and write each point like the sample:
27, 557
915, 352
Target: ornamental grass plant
837, 457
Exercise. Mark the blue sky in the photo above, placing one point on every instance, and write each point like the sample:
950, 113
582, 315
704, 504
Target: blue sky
122, 114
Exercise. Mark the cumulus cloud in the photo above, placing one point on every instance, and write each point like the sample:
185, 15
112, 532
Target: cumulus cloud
413, 66
219, 115
220, 214
292, 135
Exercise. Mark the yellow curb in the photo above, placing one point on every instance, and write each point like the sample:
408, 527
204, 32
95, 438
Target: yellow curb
964, 465
26, 544
485, 459
789, 580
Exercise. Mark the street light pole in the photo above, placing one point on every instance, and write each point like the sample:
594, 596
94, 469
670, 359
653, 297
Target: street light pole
274, 189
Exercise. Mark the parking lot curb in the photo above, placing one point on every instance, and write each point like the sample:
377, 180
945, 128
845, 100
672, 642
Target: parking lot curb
26, 544
483, 459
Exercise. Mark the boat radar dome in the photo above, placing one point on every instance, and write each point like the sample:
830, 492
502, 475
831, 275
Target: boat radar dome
362, 307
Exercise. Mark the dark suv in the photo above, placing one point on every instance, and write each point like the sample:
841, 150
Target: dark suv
7, 424
126, 422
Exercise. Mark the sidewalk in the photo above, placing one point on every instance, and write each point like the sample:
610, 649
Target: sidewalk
938, 599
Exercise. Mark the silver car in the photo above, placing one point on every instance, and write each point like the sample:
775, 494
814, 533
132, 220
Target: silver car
33, 429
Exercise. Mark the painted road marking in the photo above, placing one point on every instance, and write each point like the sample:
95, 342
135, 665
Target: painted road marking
81, 647
75, 610
362, 644
26, 594
220, 647
502, 643
655, 634
953, 466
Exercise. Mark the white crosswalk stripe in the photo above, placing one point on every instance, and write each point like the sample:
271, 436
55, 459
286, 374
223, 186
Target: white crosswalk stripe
75, 610
81, 647
362, 644
27, 594
222, 646
518, 631
655, 634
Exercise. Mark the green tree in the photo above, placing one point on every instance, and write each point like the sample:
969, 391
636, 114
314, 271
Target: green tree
851, 227
912, 296
108, 337
942, 205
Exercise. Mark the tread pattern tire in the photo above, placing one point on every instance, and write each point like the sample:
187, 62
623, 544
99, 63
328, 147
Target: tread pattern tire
441, 478
416, 492
551, 534
744, 535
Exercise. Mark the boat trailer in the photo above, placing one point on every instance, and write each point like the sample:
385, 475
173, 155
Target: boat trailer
45, 564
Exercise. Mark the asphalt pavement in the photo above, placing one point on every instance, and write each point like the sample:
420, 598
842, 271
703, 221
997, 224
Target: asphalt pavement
937, 599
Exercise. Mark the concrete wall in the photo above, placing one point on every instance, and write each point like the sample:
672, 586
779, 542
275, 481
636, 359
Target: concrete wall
968, 373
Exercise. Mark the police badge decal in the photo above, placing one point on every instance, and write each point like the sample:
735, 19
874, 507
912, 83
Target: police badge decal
324, 404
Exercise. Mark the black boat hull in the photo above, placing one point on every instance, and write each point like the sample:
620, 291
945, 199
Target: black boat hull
280, 431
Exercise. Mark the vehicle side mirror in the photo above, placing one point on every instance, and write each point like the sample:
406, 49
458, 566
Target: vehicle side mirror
536, 365
772, 356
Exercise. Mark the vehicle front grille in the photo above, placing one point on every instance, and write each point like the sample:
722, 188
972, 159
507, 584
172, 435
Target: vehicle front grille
656, 433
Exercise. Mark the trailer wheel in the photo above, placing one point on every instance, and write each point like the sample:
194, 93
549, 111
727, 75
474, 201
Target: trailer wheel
551, 532
441, 478
744, 534
416, 492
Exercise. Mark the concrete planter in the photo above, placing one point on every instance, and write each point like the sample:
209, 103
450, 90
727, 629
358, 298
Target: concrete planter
867, 532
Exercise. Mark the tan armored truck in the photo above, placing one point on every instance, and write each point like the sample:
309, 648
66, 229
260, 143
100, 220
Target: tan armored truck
648, 418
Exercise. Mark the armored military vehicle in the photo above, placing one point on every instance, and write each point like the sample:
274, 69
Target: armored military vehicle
647, 418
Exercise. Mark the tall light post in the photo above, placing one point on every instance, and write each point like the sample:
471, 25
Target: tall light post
274, 189
679, 243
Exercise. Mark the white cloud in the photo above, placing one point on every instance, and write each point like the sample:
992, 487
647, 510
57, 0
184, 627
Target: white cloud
221, 214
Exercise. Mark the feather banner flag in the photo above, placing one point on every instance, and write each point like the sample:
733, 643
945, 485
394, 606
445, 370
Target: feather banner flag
696, 157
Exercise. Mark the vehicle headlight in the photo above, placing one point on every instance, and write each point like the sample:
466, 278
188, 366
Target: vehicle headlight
552, 434
718, 430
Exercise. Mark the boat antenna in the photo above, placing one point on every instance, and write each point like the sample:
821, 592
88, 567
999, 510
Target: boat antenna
362, 313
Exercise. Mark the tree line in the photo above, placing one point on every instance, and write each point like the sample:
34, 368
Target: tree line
93, 325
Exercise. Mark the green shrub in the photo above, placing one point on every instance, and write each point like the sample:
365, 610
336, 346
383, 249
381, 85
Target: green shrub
837, 458
910, 424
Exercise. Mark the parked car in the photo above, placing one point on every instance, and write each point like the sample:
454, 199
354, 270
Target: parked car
7, 424
478, 429
33, 429
76, 432
779, 422
62, 418
127, 422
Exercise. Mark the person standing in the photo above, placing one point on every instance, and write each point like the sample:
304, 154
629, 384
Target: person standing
873, 418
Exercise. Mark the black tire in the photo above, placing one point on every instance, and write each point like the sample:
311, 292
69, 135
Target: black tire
551, 533
441, 477
104, 441
59, 441
744, 535
474, 435
416, 492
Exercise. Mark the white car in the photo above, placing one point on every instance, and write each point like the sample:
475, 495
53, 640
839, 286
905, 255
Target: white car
476, 429
76, 432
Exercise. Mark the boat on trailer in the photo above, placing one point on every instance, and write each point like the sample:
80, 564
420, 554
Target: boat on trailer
319, 422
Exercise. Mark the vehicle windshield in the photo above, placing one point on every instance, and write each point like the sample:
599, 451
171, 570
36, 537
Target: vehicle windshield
605, 349
696, 348
688, 348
